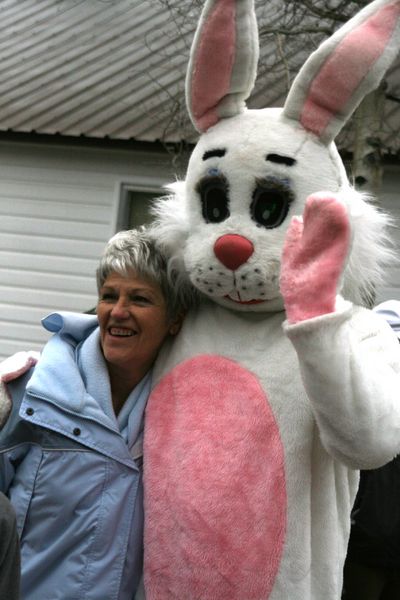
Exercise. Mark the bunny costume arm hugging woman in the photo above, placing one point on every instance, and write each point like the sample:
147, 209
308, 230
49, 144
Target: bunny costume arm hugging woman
280, 385
71, 450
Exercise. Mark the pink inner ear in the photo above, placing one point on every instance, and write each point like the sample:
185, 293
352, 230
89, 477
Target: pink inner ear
346, 67
213, 64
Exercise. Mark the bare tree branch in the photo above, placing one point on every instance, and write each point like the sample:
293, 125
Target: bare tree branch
294, 29
264, 31
393, 98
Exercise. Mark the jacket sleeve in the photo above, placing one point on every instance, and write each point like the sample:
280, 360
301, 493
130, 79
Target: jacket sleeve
350, 365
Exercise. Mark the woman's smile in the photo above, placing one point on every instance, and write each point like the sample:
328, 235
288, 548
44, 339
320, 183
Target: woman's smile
119, 332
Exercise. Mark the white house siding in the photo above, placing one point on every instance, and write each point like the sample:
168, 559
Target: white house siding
58, 207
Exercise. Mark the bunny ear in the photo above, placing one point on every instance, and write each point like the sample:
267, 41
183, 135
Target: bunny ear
344, 69
223, 61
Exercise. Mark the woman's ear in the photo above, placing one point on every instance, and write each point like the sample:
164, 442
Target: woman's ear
176, 324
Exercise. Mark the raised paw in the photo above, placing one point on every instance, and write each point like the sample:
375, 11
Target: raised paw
314, 257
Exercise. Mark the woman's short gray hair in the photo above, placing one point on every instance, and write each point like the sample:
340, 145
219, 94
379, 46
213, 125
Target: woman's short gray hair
136, 250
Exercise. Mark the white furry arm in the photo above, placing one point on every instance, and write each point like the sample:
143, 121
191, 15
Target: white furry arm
350, 365
10, 369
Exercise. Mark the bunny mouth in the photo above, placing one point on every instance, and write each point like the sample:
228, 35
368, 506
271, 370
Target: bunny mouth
238, 301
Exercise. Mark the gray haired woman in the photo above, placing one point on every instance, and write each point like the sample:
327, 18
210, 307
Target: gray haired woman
71, 450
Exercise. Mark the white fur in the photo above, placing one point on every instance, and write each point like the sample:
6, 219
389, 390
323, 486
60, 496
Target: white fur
11, 368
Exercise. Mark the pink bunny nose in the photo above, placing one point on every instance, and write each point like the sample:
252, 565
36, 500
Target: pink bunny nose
233, 250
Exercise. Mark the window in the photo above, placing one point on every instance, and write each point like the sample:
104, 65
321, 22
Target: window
134, 206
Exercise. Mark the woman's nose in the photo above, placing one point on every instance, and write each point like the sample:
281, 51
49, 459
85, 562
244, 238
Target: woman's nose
120, 309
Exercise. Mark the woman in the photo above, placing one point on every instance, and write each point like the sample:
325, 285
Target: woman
71, 450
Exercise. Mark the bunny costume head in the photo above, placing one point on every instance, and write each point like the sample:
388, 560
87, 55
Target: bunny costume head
279, 385
252, 170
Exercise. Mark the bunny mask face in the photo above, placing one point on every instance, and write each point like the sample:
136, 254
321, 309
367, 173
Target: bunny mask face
252, 170
247, 177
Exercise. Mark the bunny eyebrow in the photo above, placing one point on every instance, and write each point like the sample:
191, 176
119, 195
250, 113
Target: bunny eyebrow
217, 152
280, 159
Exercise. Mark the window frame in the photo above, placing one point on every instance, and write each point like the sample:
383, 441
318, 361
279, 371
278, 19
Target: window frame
123, 202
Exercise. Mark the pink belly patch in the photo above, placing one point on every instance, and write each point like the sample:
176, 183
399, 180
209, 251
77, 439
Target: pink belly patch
215, 495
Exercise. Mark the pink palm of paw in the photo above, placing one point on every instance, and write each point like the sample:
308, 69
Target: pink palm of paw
313, 259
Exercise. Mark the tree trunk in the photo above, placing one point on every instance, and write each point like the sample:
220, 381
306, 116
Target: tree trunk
367, 153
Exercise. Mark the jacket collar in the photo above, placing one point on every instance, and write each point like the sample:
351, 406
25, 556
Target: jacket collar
57, 378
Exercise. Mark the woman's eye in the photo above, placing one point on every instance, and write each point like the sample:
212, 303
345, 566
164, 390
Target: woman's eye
107, 297
141, 299
214, 199
271, 202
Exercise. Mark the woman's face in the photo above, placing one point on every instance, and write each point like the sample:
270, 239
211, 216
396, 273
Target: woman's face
132, 315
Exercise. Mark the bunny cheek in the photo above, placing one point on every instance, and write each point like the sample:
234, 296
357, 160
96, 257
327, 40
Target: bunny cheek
252, 285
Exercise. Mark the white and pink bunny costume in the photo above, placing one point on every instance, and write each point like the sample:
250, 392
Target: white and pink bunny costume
280, 385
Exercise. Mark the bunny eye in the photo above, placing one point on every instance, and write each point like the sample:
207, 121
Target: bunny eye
271, 201
214, 199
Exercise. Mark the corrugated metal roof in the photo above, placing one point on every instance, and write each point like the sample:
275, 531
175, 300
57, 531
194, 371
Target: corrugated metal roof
115, 68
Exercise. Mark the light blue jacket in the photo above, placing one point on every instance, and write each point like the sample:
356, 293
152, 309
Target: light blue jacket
75, 483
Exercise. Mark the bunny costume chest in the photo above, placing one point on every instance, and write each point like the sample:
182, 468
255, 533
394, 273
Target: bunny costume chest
236, 477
